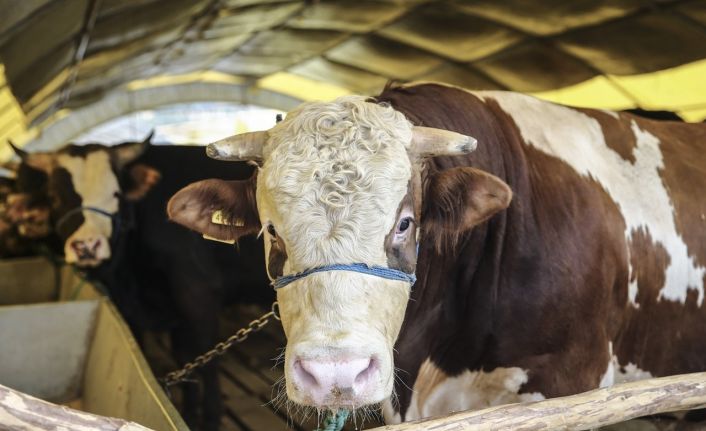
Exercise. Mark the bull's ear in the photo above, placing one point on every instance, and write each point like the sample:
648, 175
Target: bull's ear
140, 180
461, 198
7, 172
125, 153
10, 166
224, 210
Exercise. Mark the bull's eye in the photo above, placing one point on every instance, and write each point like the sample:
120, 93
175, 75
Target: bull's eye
271, 230
404, 224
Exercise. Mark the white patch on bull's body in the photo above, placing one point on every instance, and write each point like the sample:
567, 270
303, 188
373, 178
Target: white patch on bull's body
631, 373
637, 189
436, 393
632, 282
389, 414
97, 185
632, 289
609, 376
616, 373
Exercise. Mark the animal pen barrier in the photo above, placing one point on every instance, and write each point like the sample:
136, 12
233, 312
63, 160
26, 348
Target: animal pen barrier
61, 341
584, 411
588, 410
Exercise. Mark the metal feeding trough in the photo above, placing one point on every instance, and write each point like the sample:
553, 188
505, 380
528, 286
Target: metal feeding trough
79, 353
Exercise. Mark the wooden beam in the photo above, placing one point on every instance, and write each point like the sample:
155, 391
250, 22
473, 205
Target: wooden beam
597, 408
21, 411
81, 48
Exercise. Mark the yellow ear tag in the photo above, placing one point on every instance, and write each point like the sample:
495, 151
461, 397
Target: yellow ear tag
218, 218
225, 241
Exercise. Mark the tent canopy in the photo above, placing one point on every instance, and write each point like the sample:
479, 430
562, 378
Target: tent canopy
60, 56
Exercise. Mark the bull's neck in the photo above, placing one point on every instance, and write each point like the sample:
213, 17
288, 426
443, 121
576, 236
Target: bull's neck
450, 317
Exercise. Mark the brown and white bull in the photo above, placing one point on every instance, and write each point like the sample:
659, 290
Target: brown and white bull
567, 252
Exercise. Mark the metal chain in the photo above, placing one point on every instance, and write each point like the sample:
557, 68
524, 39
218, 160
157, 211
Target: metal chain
241, 335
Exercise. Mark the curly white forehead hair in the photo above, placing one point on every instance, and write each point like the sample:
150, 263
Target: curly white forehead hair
333, 177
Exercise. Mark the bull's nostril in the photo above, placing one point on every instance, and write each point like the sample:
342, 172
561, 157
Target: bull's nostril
365, 375
305, 376
77, 245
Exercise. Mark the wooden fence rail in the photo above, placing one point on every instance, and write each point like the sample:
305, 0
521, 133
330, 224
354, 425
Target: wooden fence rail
584, 411
600, 407
20, 411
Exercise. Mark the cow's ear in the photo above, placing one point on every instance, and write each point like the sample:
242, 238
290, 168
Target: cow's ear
124, 154
140, 180
224, 210
11, 167
461, 198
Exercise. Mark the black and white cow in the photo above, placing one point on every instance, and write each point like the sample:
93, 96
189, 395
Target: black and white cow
108, 204
567, 252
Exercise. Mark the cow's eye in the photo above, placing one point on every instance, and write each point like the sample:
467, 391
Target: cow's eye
404, 224
271, 230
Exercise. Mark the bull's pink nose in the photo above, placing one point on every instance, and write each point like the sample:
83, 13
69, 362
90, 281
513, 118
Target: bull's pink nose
341, 381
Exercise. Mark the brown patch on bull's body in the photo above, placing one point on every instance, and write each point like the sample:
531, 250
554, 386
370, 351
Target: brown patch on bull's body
660, 352
648, 337
683, 147
579, 282
616, 131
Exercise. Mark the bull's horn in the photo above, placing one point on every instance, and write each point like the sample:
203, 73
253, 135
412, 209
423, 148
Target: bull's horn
20, 152
246, 146
427, 141
148, 138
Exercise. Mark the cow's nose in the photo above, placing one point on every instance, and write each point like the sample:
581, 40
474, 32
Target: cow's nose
335, 382
87, 249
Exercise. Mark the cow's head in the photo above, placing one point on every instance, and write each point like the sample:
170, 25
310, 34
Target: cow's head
81, 187
339, 183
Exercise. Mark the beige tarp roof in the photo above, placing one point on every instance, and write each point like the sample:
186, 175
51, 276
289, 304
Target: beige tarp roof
60, 56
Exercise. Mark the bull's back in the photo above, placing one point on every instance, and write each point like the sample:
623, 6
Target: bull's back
644, 181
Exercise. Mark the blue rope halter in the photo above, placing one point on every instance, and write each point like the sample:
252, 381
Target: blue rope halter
81, 209
378, 271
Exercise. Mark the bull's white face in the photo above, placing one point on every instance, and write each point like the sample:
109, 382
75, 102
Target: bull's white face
330, 191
